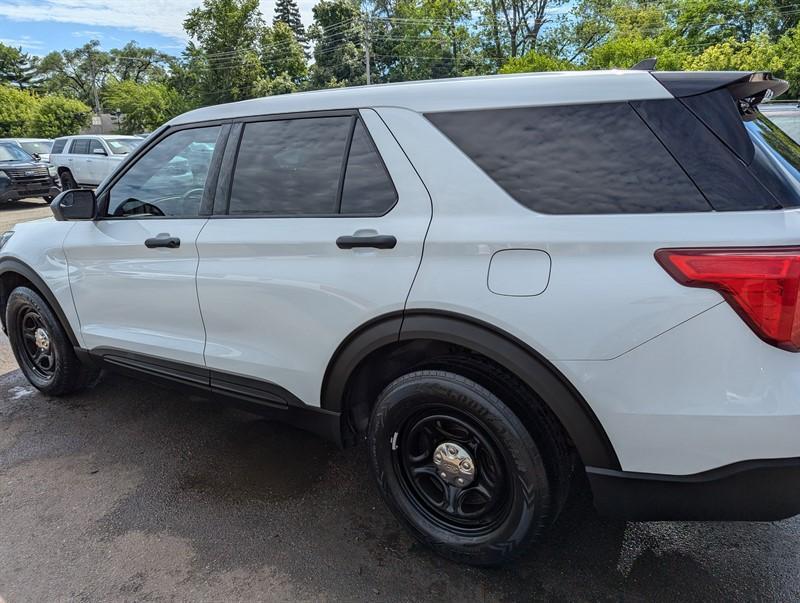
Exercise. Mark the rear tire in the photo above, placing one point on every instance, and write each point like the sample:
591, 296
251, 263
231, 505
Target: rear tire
41, 346
495, 514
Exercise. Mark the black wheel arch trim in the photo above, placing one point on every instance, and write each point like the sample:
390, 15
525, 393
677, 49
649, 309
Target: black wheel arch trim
569, 406
9, 264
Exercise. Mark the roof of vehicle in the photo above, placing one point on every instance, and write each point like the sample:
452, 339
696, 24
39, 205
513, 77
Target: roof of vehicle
103, 136
26, 140
522, 89
496, 91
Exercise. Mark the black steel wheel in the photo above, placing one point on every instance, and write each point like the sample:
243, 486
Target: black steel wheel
37, 354
41, 346
458, 467
437, 456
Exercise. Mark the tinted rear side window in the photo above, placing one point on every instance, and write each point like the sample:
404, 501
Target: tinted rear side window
576, 159
290, 166
58, 145
367, 187
80, 146
723, 177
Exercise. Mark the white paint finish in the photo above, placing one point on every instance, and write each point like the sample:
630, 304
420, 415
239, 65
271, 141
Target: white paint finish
278, 296
706, 394
38, 244
606, 295
519, 272
454, 94
135, 298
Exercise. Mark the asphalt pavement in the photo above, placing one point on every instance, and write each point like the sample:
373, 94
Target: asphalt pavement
133, 492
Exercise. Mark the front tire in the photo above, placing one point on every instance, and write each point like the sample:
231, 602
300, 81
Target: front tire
41, 346
458, 468
67, 181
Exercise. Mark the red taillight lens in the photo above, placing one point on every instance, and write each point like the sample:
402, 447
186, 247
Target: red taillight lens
762, 285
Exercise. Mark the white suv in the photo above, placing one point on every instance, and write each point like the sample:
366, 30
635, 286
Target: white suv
492, 281
88, 160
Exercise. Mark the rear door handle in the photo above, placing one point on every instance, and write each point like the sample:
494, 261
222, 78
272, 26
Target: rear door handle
163, 241
375, 241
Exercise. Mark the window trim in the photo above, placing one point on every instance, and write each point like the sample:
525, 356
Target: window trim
221, 208
206, 203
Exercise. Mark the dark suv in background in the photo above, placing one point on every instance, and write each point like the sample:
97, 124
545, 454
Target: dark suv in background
23, 176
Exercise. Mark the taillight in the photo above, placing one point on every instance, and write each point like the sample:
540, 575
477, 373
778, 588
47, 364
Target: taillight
761, 284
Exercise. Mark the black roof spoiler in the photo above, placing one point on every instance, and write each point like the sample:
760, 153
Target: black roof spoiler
749, 86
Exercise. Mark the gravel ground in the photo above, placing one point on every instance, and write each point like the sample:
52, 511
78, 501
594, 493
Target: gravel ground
132, 492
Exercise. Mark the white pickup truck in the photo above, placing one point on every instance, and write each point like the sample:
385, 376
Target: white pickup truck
85, 161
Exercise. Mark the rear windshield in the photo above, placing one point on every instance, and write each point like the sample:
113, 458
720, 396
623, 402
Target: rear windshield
38, 146
122, 146
777, 159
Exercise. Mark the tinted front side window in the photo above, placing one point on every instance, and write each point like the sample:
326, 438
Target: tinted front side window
95, 146
80, 146
169, 179
367, 186
289, 167
576, 159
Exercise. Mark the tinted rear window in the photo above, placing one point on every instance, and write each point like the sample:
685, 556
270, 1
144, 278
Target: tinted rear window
575, 159
80, 146
58, 145
777, 160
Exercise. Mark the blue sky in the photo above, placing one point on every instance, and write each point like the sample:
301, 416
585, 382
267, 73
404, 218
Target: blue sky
39, 26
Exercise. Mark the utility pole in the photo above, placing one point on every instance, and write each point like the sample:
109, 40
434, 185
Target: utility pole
366, 49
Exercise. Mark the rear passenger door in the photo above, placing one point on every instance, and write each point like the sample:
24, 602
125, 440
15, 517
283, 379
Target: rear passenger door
77, 161
319, 225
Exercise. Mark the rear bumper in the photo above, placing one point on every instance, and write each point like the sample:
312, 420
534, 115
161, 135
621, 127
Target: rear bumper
763, 490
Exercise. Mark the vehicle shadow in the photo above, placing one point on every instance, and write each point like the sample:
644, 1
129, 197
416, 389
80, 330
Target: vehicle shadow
246, 494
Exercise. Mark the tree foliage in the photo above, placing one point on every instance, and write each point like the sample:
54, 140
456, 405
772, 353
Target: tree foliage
59, 116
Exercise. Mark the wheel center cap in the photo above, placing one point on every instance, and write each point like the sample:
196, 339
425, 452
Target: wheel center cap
42, 339
454, 464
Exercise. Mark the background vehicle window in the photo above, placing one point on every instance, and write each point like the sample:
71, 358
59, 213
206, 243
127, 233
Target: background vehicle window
58, 145
80, 146
367, 186
169, 179
122, 146
36, 146
96, 145
290, 167
11, 152
575, 159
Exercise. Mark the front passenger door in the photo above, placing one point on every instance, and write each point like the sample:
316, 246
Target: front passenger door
132, 270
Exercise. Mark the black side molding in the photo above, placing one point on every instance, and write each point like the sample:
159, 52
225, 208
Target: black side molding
759, 490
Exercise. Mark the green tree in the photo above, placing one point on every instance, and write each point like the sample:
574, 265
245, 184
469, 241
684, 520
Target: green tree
17, 109
224, 51
282, 54
144, 107
534, 61
139, 64
16, 67
80, 73
59, 116
287, 11
338, 34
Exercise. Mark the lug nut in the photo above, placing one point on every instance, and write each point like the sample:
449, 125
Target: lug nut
443, 474
466, 466
460, 481
438, 458
452, 450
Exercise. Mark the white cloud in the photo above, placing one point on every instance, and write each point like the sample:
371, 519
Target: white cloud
26, 42
163, 17
95, 35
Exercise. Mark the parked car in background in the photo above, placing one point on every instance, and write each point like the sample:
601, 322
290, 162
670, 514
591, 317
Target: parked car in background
21, 175
36, 147
786, 116
85, 161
